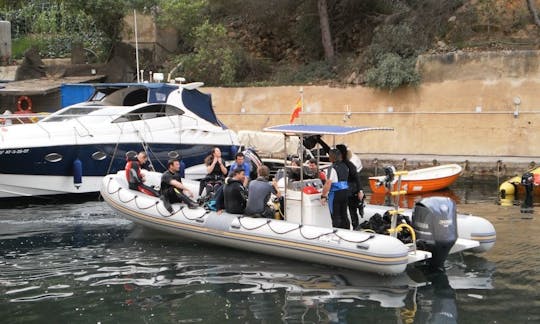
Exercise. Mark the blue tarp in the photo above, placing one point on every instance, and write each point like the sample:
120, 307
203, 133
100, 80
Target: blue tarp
74, 93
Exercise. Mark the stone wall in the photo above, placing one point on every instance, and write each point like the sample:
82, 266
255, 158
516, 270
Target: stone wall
472, 113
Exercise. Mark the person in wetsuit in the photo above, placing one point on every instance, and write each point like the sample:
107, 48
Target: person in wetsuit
234, 195
355, 193
335, 190
135, 177
216, 170
259, 192
172, 189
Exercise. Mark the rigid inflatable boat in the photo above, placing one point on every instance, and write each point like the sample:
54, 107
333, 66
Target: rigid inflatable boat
307, 233
429, 232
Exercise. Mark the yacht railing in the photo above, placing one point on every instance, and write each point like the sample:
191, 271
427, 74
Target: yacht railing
17, 119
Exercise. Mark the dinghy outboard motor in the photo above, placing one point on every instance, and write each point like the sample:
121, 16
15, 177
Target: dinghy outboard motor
389, 172
434, 221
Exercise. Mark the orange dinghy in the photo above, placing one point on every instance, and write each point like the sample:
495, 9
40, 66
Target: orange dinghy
416, 181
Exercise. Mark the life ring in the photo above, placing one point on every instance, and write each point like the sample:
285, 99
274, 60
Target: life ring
21, 101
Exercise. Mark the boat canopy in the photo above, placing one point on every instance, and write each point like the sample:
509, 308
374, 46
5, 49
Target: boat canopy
197, 102
299, 130
201, 105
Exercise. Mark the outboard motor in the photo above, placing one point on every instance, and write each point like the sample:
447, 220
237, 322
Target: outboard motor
434, 221
389, 172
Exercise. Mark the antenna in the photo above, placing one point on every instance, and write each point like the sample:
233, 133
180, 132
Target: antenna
136, 44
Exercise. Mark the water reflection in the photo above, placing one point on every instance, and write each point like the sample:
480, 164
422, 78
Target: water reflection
150, 273
408, 201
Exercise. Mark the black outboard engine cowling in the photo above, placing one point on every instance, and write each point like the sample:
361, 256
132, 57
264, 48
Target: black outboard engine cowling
434, 221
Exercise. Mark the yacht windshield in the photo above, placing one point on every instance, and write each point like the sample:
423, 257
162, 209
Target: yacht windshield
70, 113
149, 112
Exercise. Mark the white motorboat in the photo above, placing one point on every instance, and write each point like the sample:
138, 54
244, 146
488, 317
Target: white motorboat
72, 149
306, 232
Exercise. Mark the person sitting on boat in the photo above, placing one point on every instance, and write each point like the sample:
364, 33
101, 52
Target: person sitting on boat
134, 176
216, 171
294, 170
233, 196
259, 193
240, 162
172, 189
144, 161
356, 194
335, 190
314, 171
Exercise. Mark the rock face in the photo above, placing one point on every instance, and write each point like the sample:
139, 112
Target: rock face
32, 66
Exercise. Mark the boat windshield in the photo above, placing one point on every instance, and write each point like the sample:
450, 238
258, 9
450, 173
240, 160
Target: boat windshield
149, 112
70, 113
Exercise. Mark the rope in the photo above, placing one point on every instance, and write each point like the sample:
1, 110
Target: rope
206, 212
114, 153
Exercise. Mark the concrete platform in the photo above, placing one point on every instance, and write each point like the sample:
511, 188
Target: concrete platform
42, 86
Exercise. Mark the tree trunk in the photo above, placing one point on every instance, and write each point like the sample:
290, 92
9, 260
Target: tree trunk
532, 8
325, 30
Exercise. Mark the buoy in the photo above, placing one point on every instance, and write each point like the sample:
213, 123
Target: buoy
77, 173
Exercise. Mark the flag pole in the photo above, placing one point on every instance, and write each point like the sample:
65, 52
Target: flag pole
302, 100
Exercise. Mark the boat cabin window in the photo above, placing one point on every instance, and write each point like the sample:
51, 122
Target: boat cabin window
149, 112
125, 96
70, 113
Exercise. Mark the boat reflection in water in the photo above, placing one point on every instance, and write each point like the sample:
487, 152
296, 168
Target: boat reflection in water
320, 294
408, 201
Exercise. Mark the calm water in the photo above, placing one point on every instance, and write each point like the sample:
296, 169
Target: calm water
76, 261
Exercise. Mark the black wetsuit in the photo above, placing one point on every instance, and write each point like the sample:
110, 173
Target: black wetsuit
134, 178
337, 197
213, 180
353, 180
234, 196
170, 193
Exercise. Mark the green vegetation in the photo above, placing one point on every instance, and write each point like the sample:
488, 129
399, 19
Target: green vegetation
253, 42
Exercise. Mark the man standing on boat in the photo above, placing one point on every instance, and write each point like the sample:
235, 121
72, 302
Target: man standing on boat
335, 190
355, 194
172, 189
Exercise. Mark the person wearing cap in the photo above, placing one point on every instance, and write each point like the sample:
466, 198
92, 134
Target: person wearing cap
335, 190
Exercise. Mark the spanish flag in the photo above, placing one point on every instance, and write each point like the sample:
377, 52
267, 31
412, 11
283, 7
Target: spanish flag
296, 111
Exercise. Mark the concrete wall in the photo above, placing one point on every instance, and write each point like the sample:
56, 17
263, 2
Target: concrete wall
479, 65
161, 41
460, 117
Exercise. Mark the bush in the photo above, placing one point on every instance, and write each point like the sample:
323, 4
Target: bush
213, 60
391, 72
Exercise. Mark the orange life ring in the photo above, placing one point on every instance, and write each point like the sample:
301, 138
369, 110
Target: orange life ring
28, 101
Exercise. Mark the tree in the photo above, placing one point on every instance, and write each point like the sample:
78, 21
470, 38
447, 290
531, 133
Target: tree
326, 35
531, 4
